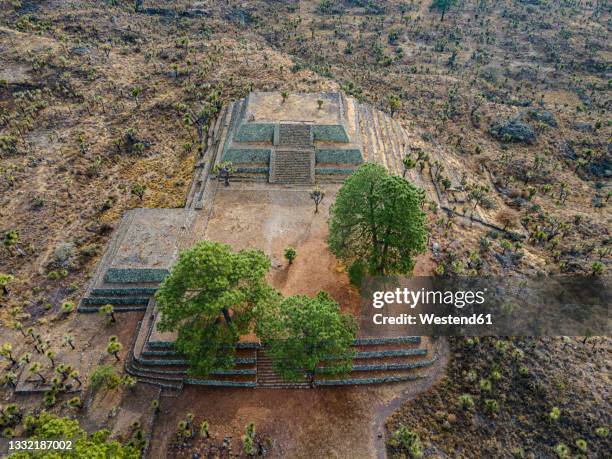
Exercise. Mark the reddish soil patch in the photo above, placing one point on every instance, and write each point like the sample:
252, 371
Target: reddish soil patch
274, 218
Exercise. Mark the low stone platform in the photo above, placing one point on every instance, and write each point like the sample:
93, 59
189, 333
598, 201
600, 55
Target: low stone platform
144, 247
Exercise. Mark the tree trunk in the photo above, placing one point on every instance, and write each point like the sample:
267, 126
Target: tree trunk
226, 316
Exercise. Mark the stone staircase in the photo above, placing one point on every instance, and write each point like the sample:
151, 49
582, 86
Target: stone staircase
268, 378
292, 166
294, 135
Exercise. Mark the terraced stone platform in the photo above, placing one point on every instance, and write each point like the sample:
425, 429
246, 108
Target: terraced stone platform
262, 126
287, 145
154, 360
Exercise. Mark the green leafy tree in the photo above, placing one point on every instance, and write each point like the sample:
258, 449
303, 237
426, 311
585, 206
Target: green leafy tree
301, 332
211, 298
597, 268
5, 280
377, 219
317, 196
139, 190
290, 254
47, 426
114, 347
442, 6
394, 103
407, 441
6, 351
408, 163
225, 171
11, 239
108, 311
248, 440
67, 307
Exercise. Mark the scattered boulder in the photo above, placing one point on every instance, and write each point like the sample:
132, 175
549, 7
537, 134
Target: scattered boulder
513, 131
584, 127
601, 167
584, 97
544, 116
568, 150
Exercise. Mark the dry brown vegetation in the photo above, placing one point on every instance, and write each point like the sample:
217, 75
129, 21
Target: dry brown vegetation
98, 103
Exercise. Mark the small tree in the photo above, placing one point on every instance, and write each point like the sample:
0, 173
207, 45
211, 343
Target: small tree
114, 347
248, 440
138, 190
407, 441
67, 307
11, 239
74, 374
317, 196
284, 95
51, 356
5, 280
597, 268
302, 332
35, 369
9, 378
290, 254
442, 6
6, 351
319, 104
108, 311
75, 402
394, 103
408, 163
224, 170
69, 340
204, 429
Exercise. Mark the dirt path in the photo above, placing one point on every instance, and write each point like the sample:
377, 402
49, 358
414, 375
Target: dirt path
435, 372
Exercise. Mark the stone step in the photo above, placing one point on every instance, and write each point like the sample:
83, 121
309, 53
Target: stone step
123, 291
292, 166
217, 383
172, 387
117, 309
294, 135
115, 300
363, 381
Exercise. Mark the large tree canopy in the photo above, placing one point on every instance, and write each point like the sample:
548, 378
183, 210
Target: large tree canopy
377, 220
300, 332
211, 297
